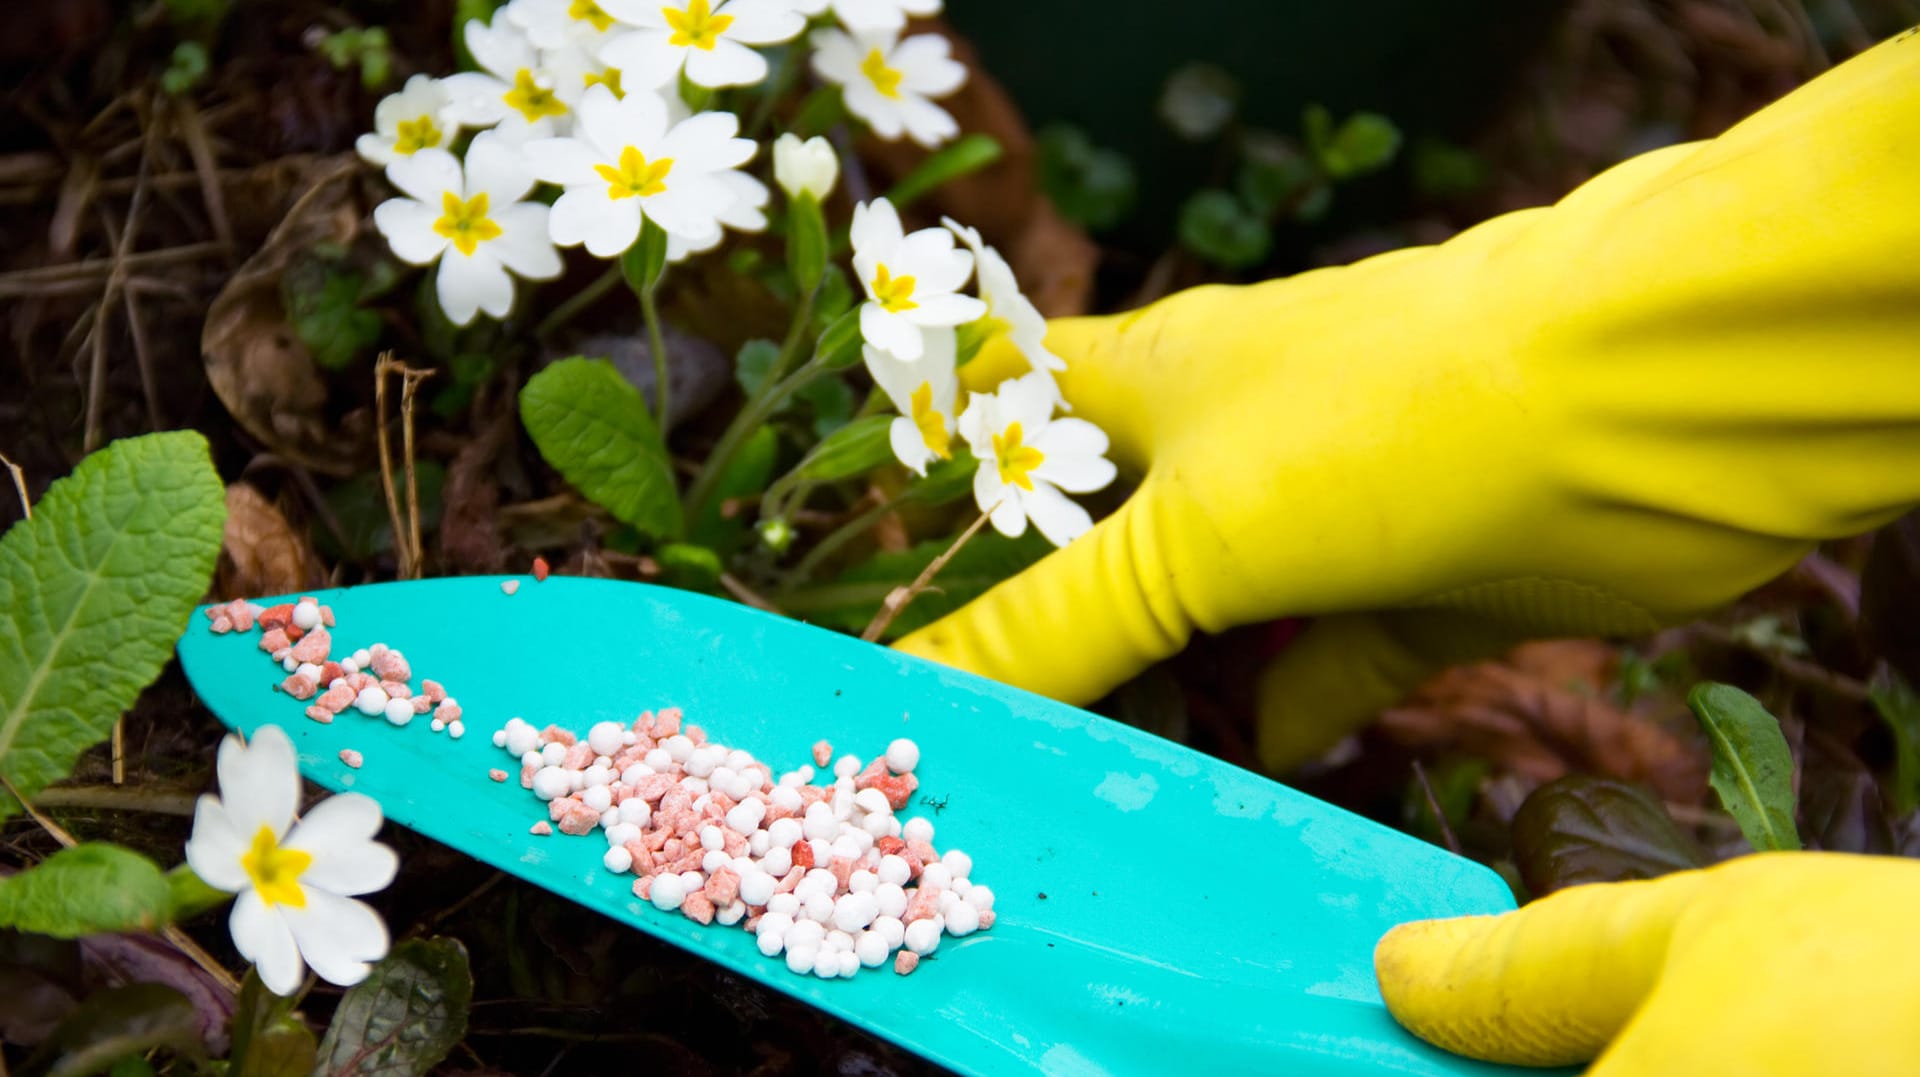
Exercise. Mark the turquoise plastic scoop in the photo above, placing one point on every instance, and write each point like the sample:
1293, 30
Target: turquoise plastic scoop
1158, 910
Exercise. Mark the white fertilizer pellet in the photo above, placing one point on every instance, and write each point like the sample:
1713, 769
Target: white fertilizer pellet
828, 876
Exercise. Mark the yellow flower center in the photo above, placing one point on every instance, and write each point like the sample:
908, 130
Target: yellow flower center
885, 79
1016, 461
276, 871
933, 425
635, 176
417, 135
697, 26
588, 11
610, 78
531, 100
892, 293
466, 223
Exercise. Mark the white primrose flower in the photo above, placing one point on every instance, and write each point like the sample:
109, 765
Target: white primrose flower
408, 121
887, 82
808, 167
553, 24
911, 281
708, 40
626, 163
1009, 311
577, 68
1027, 458
863, 15
295, 881
924, 392
746, 213
513, 93
472, 221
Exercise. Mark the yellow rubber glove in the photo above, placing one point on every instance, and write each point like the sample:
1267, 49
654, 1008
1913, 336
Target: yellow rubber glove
1600, 417
1773, 965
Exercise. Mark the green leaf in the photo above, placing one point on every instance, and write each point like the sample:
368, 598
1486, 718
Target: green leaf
747, 474
1752, 768
1582, 829
689, 567
1895, 702
839, 346
1442, 170
405, 1016
806, 242
113, 1024
854, 449
646, 260
852, 598
819, 112
1218, 227
1090, 186
1199, 101
969, 154
1365, 143
831, 403
268, 1040
323, 306
592, 426
1272, 173
947, 481
754, 364
94, 591
188, 895
89, 888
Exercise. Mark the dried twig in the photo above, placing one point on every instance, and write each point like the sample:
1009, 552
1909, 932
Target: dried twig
1433, 805
193, 132
19, 485
746, 594
406, 535
897, 600
118, 798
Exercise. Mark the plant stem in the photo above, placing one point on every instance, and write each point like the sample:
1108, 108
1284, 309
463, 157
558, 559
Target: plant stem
897, 601
759, 407
657, 345
571, 307
843, 534
776, 87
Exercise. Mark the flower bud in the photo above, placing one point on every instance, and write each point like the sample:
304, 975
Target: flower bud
808, 167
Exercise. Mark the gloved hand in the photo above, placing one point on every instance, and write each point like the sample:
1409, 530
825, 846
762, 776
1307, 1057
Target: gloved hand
1773, 965
1595, 418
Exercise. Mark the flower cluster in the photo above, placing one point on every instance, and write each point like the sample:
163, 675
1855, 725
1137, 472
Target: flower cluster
1026, 456
609, 102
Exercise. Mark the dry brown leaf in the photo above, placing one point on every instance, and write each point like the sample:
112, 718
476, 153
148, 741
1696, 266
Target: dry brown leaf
1054, 260
261, 553
1543, 713
258, 365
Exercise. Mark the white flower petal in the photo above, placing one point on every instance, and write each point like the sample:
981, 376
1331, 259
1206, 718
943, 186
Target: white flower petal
499, 47
946, 310
728, 63
703, 143
926, 123
876, 228
881, 114
338, 936
1027, 400
646, 58
637, 12
474, 99
564, 161
988, 490
890, 332
1008, 517
616, 226
262, 937
836, 57
468, 284
908, 444
215, 847
259, 782
640, 120
1057, 516
523, 245
750, 198
924, 66
338, 832
870, 15
762, 22
1077, 472
408, 226
374, 150
426, 175
498, 169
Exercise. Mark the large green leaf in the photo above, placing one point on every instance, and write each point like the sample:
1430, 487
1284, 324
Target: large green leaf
1583, 829
268, 1039
94, 591
92, 887
405, 1016
851, 599
1752, 768
593, 427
